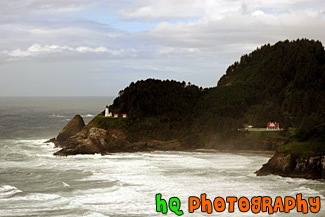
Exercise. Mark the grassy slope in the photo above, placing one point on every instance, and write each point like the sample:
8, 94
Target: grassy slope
107, 123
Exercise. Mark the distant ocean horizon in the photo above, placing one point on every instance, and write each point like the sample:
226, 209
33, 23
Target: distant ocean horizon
30, 117
33, 182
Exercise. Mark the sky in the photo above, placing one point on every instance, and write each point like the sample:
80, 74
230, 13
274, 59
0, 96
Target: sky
97, 47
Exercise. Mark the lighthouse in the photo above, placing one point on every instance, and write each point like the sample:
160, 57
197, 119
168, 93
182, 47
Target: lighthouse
107, 113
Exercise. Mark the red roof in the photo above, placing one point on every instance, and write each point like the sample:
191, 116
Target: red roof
272, 125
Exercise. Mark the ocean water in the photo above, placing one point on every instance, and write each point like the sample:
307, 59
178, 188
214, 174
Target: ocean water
33, 182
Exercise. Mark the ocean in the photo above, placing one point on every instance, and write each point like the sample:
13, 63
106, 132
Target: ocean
33, 182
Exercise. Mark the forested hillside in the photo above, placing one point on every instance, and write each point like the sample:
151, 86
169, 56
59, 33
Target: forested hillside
158, 109
165, 100
284, 82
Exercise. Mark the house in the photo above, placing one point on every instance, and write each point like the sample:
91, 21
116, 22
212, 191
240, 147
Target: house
272, 126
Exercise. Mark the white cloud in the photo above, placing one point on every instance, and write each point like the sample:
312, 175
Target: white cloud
161, 10
19, 8
36, 50
258, 13
194, 40
83, 49
166, 10
227, 23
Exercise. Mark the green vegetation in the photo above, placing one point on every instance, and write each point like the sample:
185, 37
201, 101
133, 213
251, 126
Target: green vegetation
164, 100
262, 134
301, 148
284, 83
107, 123
310, 142
158, 109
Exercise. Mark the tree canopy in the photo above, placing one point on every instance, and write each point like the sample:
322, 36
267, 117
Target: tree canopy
284, 82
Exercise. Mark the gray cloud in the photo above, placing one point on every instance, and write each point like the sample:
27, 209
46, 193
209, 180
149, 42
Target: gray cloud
74, 43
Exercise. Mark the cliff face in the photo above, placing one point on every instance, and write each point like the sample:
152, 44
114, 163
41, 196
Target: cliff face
289, 165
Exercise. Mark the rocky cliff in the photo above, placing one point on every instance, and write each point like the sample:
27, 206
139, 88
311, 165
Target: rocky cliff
289, 165
75, 139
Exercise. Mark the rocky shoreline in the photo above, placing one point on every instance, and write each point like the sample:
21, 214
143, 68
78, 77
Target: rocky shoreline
75, 138
289, 165
78, 138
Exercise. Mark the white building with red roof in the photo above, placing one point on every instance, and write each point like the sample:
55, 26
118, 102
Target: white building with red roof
273, 126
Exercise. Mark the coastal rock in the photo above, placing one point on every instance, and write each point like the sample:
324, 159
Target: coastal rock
94, 141
311, 167
72, 128
100, 141
279, 164
323, 167
50, 140
153, 145
288, 165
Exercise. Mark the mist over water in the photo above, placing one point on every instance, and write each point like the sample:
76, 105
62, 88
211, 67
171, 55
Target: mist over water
33, 182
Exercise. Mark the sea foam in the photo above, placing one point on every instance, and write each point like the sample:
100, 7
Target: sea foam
8, 191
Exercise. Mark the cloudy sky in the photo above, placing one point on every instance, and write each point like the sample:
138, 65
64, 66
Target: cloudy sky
97, 47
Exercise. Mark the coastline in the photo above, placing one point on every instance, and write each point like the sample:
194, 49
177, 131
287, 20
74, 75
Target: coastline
259, 152
77, 138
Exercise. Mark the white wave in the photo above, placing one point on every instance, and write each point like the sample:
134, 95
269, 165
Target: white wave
307, 191
36, 143
28, 141
95, 214
8, 190
58, 116
49, 155
86, 156
37, 197
65, 185
87, 115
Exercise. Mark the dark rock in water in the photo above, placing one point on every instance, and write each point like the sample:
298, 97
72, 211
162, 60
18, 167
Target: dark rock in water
279, 164
53, 140
310, 168
72, 128
50, 140
288, 165
94, 141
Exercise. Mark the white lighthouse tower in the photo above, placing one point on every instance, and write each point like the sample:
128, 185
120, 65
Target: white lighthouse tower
107, 113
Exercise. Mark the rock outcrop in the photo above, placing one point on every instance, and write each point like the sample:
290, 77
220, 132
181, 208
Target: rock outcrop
100, 141
72, 128
93, 141
75, 139
288, 165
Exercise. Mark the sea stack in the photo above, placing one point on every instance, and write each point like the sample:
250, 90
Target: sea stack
72, 128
